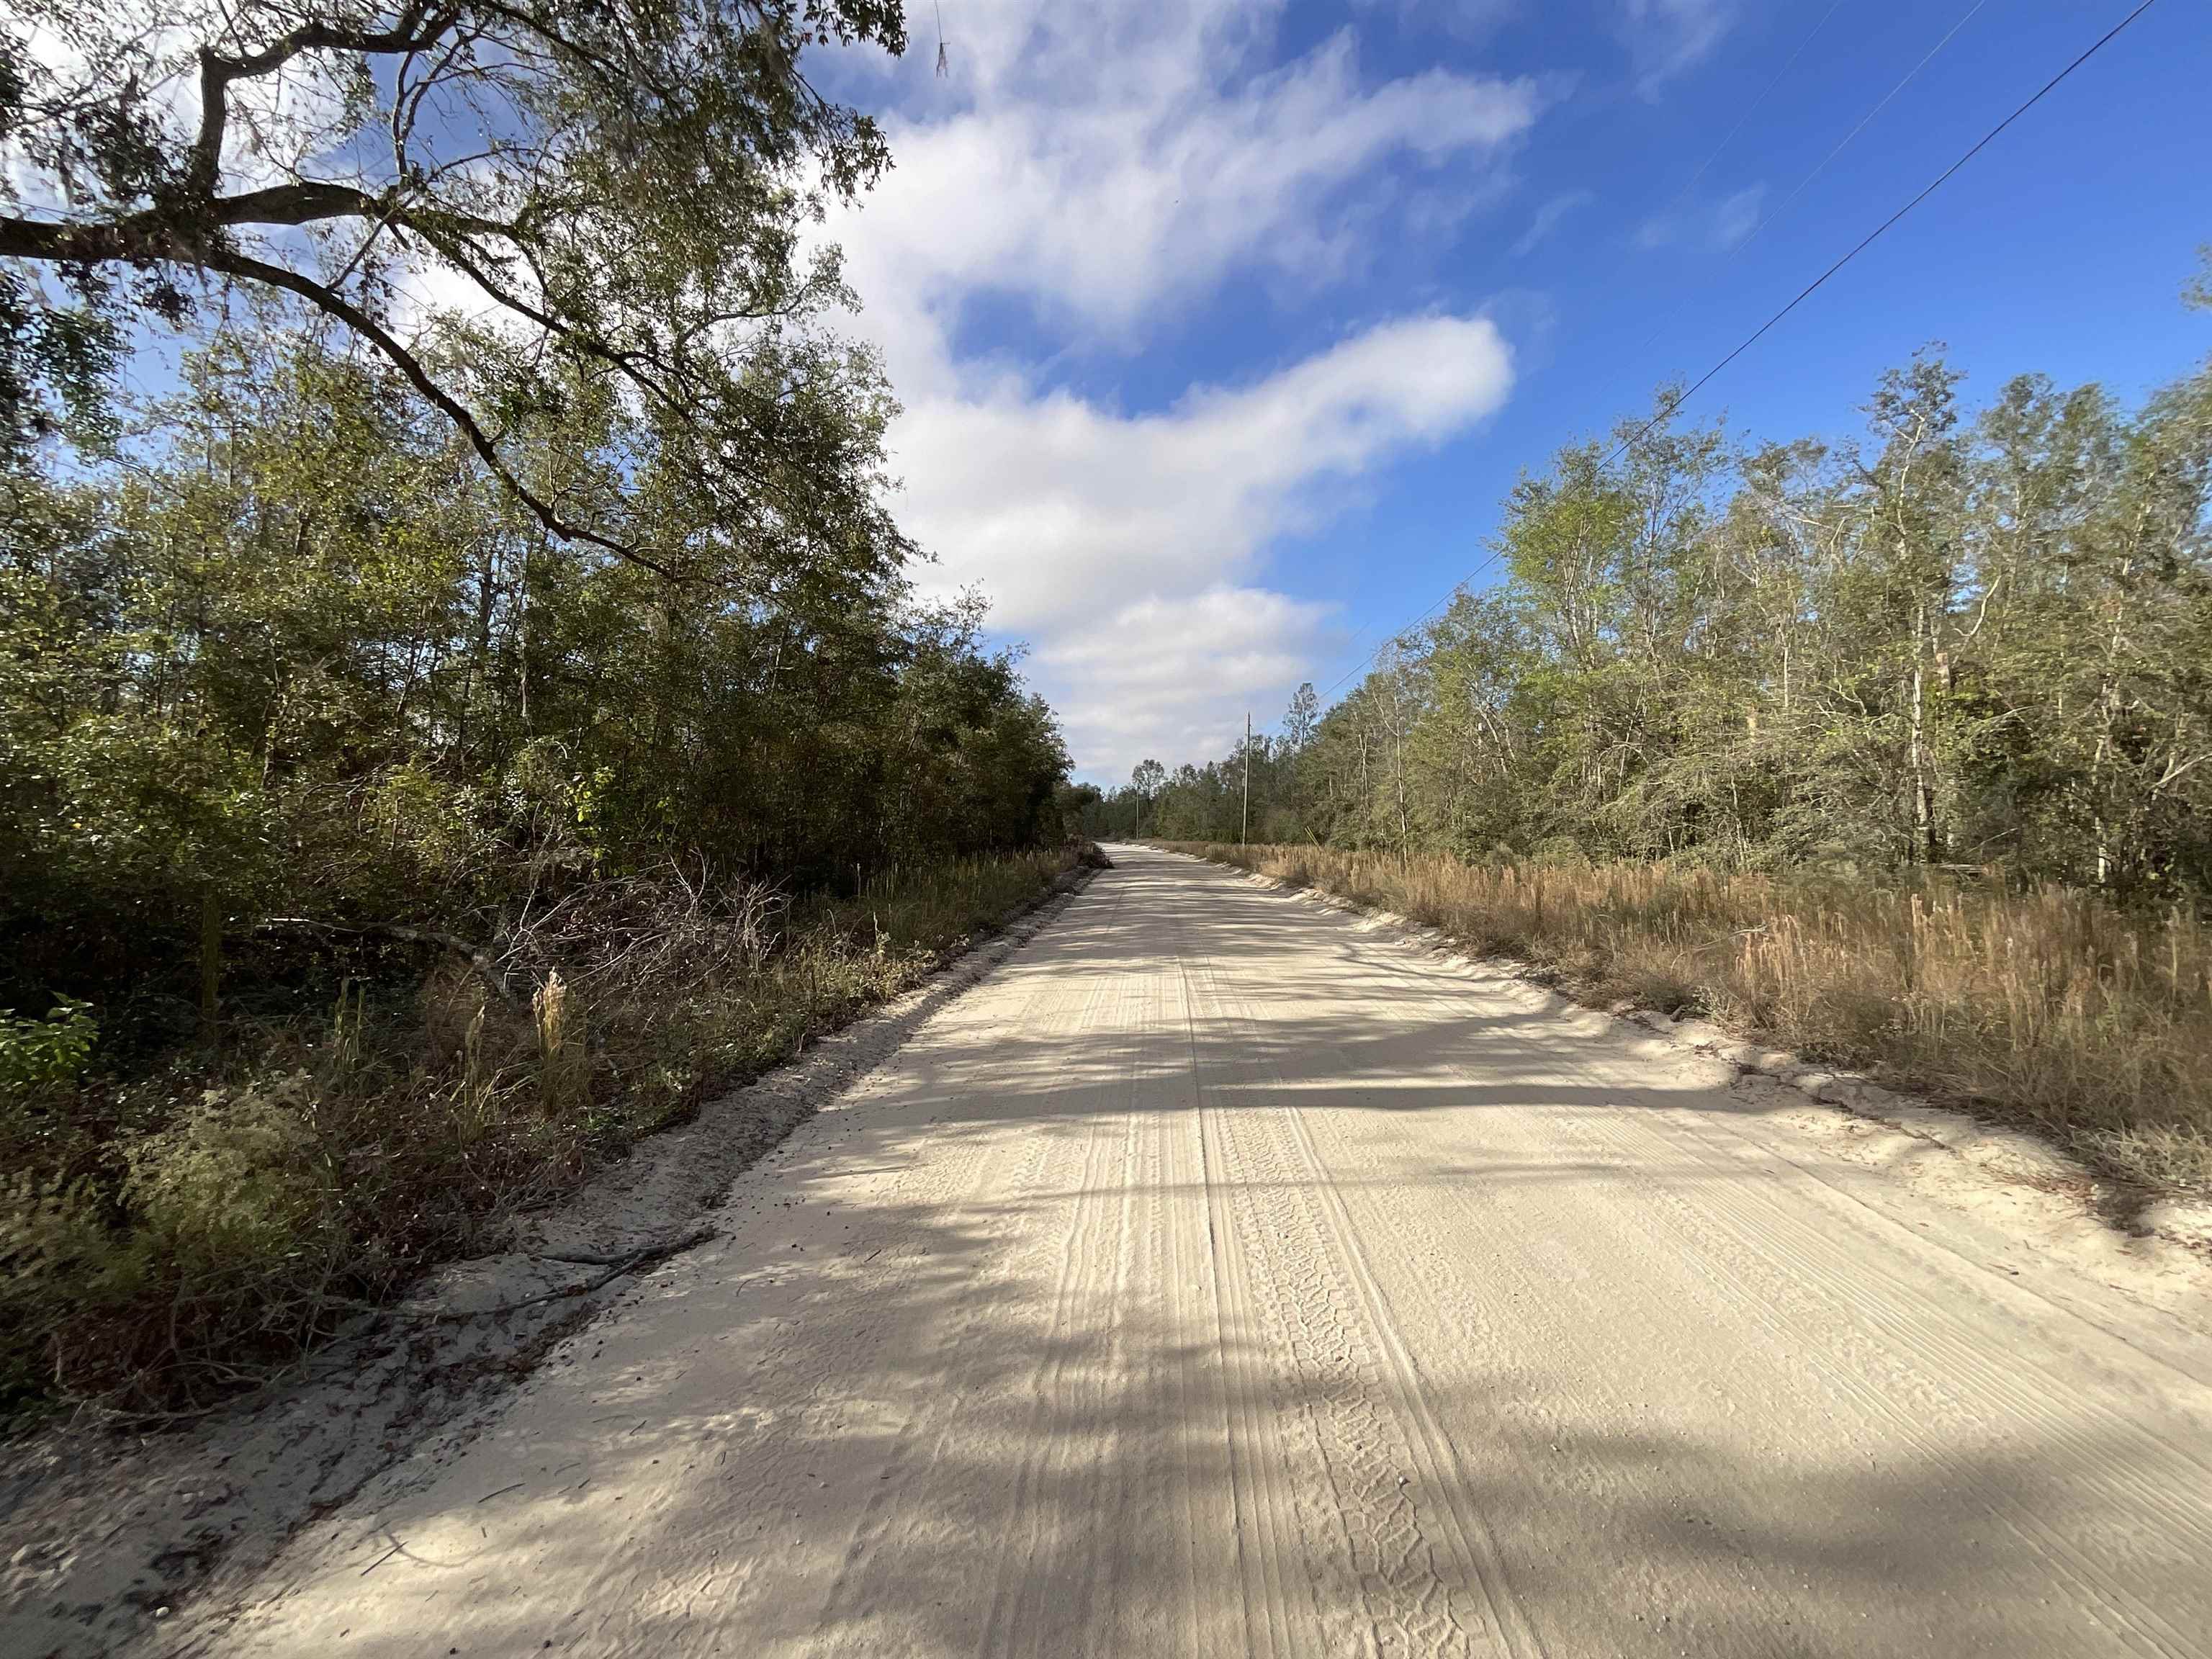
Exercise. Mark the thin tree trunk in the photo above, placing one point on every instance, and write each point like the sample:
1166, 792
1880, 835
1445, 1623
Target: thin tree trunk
1924, 829
210, 959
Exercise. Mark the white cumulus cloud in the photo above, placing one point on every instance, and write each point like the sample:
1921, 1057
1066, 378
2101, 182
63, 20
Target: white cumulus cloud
1173, 680
1115, 542
1102, 170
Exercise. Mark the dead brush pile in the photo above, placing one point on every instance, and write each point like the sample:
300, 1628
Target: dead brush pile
171, 1234
2047, 1007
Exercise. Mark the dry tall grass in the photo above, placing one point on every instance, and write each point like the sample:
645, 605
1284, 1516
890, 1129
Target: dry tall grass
2047, 1007
165, 1238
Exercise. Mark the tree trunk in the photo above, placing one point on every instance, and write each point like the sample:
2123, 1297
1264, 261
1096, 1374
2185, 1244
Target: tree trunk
1926, 841
210, 960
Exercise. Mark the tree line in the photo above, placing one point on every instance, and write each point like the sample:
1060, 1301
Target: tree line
382, 614
1965, 637
374, 862
298, 656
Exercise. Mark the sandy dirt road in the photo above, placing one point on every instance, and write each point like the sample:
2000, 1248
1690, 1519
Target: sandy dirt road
1222, 1276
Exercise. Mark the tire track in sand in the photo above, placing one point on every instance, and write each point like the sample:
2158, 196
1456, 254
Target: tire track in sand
1403, 1561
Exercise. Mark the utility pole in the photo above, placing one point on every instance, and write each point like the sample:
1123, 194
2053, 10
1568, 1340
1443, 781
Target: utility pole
1244, 830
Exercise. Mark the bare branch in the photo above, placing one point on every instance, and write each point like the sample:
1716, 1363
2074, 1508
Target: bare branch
337, 305
476, 956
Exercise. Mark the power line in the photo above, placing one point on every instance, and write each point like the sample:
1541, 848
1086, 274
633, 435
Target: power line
1874, 235
1400, 632
1680, 196
1673, 406
1888, 98
1752, 108
1735, 251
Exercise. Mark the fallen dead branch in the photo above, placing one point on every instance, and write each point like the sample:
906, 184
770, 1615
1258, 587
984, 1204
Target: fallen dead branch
479, 959
651, 1255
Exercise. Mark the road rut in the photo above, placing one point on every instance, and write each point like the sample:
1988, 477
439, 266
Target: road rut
1223, 1275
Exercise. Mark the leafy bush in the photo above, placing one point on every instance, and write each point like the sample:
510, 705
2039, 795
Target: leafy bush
60, 1261
49, 1053
238, 1190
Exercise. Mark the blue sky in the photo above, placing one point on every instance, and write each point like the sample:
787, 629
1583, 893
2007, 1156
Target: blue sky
1223, 327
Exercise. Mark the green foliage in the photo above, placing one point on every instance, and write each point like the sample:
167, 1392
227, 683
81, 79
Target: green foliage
1966, 639
427, 764
627, 183
303, 659
491, 852
237, 1189
55, 358
58, 1259
49, 1053
318, 1164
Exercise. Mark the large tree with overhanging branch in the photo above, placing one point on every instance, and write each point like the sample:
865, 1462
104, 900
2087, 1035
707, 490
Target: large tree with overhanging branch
617, 192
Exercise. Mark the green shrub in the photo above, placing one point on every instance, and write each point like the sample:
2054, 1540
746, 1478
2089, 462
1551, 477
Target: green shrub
59, 1257
49, 1053
238, 1188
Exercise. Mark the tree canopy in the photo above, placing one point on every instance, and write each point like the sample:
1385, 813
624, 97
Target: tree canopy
471, 700
616, 189
517, 516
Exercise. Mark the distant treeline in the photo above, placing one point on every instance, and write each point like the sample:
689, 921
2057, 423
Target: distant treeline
1965, 638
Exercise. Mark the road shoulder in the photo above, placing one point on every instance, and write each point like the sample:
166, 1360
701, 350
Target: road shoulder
107, 1537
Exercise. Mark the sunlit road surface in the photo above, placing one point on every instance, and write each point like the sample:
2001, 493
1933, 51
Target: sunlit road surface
1225, 1276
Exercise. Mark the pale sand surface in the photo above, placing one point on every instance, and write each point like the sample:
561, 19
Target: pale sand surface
1224, 1274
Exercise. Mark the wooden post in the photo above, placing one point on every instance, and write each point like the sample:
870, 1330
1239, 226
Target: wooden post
1244, 828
